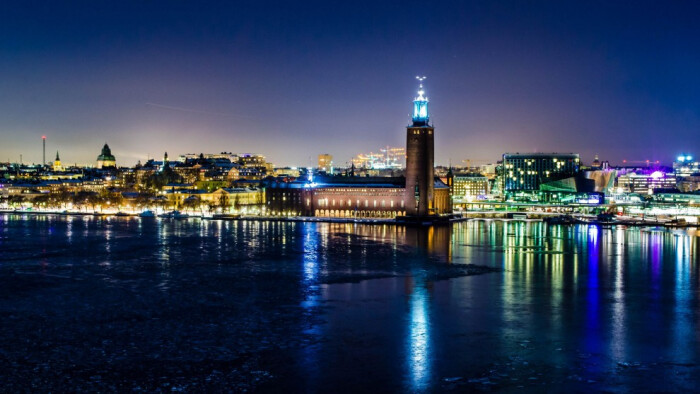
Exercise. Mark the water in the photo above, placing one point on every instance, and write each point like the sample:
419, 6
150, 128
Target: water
164, 305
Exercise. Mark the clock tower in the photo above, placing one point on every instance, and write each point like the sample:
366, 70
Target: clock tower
419, 196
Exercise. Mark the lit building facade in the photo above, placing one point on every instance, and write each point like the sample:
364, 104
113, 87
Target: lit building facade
469, 186
325, 162
378, 197
687, 172
389, 158
527, 171
248, 160
685, 166
645, 183
347, 197
222, 199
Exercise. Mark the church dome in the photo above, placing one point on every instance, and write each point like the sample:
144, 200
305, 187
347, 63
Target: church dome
106, 159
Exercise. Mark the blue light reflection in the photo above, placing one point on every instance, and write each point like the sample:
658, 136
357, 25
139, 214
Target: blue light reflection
419, 349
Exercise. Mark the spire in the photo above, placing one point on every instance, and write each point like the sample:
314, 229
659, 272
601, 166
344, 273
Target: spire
166, 163
420, 105
57, 158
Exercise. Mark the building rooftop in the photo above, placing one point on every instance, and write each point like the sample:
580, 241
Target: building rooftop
538, 154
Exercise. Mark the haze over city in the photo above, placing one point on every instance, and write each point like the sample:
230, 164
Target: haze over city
618, 80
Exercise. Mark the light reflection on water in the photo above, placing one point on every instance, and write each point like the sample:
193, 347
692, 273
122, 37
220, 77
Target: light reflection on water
583, 304
419, 361
570, 301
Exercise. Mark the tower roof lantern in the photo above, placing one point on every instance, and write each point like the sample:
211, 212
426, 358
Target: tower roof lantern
420, 105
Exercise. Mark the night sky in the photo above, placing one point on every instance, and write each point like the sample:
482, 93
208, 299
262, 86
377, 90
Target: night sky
292, 79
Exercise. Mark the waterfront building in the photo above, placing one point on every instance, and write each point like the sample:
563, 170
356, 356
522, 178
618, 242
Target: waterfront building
604, 179
286, 198
645, 182
527, 171
419, 193
685, 166
346, 196
106, 159
689, 183
224, 200
325, 163
470, 186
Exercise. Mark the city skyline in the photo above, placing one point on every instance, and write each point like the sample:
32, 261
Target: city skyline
310, 79
376, 196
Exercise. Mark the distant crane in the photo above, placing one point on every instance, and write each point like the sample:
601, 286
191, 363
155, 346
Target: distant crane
644, 162
468, 162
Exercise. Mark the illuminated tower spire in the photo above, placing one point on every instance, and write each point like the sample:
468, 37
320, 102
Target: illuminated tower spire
420, 105
57, 163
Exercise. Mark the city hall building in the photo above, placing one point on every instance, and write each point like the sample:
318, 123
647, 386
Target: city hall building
418, 194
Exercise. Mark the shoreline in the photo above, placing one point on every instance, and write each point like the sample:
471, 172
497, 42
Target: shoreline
313, 219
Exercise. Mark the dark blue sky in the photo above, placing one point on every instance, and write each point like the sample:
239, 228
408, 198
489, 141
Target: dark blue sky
294, 79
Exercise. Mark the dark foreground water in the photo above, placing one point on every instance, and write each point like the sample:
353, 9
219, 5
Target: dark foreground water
124, 304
